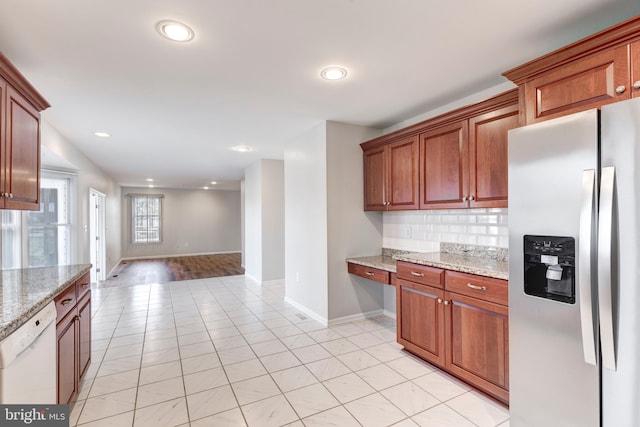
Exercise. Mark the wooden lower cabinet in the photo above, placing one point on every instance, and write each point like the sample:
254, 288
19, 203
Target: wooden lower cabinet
66, 332
420, 320
73, 332
477, 343
466, 336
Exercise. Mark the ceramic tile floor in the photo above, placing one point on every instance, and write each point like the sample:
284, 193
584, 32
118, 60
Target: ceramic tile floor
226, 352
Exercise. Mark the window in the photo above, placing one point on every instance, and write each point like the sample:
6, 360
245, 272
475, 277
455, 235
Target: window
146, 218
42, 238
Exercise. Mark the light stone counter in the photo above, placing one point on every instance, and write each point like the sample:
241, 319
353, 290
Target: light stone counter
480, 260
24, 292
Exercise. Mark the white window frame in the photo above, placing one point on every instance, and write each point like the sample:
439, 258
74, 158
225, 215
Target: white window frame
22, 226
133, 215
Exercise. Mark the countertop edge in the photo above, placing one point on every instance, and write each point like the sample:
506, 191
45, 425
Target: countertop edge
35, 308
456, 267
382, 263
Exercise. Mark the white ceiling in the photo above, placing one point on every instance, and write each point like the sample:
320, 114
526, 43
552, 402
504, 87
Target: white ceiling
251, 76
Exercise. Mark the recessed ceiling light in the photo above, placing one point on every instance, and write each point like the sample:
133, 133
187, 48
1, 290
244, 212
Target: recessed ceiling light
333, 73
242, 148
176, 31
213, 182
151, 186
205, 188
149, 179
102, 134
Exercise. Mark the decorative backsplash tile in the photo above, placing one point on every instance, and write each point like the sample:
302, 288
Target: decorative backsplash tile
423, 231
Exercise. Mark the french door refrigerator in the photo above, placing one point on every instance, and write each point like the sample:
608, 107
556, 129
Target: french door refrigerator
574, 270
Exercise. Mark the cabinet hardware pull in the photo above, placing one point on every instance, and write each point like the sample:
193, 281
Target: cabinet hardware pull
464, 199
620, 89
413, 273
446, 303
2, 194
66, 301
636, 85
84, 285
11, 195
368, 273
439, 300
472, 197
476, 287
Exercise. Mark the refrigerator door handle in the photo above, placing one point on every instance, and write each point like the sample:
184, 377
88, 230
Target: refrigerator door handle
605, 267
585, 246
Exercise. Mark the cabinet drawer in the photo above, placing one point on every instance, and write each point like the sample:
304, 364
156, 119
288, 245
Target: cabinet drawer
484, 288
421, 274
370, 273
83, 285
66, 301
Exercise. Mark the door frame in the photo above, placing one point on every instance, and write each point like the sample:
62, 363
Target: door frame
97, 234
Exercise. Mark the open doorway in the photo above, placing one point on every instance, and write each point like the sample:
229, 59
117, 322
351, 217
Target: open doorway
97, 233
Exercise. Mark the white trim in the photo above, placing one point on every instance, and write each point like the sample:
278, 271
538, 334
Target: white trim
390, 314
253, 279
110, 274
177, 255
272, 282
306, 311
355, 317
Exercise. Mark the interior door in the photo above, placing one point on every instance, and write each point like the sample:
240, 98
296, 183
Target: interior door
97, 214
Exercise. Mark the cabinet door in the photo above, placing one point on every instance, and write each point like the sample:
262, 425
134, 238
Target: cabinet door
635, 68
402, 184
488, 157
596, 80
84, 335
420, 320
444, 159
374, 179
22, 154
66, 332
477, 345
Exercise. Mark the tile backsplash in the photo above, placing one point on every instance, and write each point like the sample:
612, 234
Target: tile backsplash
422, 231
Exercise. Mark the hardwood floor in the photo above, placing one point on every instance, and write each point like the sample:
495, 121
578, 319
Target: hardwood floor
163, 270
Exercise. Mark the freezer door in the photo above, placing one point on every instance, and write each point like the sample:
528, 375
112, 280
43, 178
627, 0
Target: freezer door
551, 384
621, 153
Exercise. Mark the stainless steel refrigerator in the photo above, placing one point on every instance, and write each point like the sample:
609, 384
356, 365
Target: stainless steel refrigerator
574, 270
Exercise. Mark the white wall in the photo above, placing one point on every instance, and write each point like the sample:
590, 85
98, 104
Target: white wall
253, 221
325, 223
351, 231
305, 211
264, 220
89, 176
272, 220
194, 222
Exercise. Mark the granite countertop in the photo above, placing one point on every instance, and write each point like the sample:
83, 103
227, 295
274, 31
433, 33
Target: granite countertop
24, 292
483, 261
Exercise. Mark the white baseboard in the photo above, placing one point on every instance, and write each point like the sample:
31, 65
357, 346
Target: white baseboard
306, 311
110, 273
273, 282
175, 255
253, 279
390, 314
355, 317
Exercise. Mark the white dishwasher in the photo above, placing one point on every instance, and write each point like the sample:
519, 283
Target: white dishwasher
28, 361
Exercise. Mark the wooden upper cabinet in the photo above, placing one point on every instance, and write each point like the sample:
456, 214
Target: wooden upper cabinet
634, 54
20, 106
591, 82
592, 72
403, 174
22, 154
444, 159
488, 157
391, 176
374, 179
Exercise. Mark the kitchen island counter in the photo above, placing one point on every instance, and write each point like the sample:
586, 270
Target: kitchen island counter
24, 292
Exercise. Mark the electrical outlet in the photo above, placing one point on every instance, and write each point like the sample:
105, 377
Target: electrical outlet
297, 277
